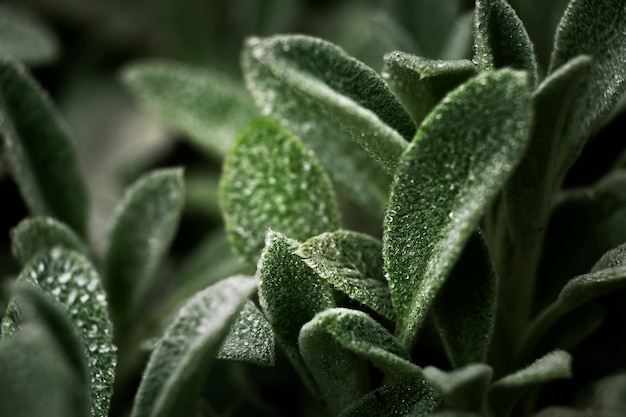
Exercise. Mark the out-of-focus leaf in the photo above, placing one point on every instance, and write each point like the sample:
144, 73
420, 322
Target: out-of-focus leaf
179, 362
271, 181
464, 388
352, 263
459, 42
561, 412
457, 163
202, 195
25, 38
608, 396
204, 104
39, 150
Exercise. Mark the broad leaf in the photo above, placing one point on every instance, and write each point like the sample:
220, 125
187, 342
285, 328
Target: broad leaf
464, 388
421, 82
352, 263
39, 150
271, 181
298, 79
291, 294
204, 104
607, 397
25, 38
41, 234
599, 30
460, 158
181, 359
500, 39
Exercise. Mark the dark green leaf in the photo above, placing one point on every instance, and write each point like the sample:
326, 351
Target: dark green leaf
464, 388
271, 181
39, 150
500, 39
461, 156
421, 83
41, 234
204, 104
25, 38
597, 29
454, 413
561, 412
181, 359
352, 263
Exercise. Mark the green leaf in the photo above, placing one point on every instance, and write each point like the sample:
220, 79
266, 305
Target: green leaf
561, 412
464, 388
461, 156
415, 398
454, 413
25, 38
290, 294
41, 234
500, 39
39, 150
598, 30
465, 309
608, 396
421, 83
141, 230
298, 79
271, 181
352, 263
202, 103
505, 392
181, 359
250, 338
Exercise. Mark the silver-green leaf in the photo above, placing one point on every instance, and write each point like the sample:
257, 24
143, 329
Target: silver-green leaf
24, 37
464, 388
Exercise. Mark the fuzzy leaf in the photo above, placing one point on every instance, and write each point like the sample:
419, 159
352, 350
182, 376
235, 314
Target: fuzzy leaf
500, 39
25, 38
181, 359
352, 263
290, 294
461, 156
141, 231
41, 234
297, 79
250, 338
415, 398
204, 104
465, 308
421, 83
464, 388
597, 29
505, 392
454, 413
271, 181
39, 150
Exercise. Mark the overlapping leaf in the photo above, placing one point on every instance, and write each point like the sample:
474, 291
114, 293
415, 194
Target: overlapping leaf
25, 38
464, 388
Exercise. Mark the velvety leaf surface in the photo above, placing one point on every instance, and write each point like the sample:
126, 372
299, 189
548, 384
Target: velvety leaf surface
142, 228
39, 150
298, 79
290, 294
458, 161
352, 263
500, 39
597, 29
465, 309
41, 234
202, 103
25, 38
416, 398
421, 82
271, 181
250, 338
178, 364
464, 388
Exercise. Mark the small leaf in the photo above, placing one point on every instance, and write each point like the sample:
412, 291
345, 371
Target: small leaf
461, 156
25, 38
465, 309
271, 181
250, 338
415, 398
41, 234
39, 150
464, 388
290, 294
500, 39
204, 104
505, 392
421, 82
598, 30
297, 79
352, 263
181, 359
142, 228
